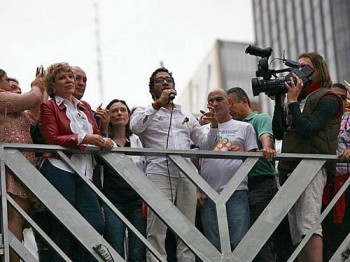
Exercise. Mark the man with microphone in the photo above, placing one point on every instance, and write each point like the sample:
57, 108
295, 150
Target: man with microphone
164, 125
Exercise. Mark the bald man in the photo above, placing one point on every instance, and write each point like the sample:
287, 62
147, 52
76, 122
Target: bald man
232, 136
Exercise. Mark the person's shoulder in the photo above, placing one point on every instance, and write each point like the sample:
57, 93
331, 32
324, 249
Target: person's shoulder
330, 98
325, 94
181, 110
241, 124
135, 141
255, 115
84, 105
346, 114
263, 117
138, 110
134, 137
49, 103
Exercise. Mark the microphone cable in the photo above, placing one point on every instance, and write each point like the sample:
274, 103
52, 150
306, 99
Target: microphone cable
167, 160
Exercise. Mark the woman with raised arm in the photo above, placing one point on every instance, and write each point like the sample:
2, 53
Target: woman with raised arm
15, 124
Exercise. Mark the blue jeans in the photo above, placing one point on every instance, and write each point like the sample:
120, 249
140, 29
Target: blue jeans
85, 201
238, 220
115, 230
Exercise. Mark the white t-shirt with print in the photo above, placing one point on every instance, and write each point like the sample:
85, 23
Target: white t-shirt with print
218, 172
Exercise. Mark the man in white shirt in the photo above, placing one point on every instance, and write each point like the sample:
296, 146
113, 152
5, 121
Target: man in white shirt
164, 125
233, 136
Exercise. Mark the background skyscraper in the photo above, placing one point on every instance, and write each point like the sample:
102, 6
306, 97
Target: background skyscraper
303, 26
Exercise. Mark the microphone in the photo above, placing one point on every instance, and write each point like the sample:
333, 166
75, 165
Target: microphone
171, 98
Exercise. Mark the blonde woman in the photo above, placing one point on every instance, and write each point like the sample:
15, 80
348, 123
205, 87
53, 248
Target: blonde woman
68, 122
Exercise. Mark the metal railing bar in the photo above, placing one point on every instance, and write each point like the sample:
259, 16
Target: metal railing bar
213, 195
323, 215
163, 207
237, 179
224, 234
20, 249
110, 205
61, 208
194, 176
4, 215
343, 251
305, 239
277, 209
1, 245
268, 220
166, 152
37, 228
225, 195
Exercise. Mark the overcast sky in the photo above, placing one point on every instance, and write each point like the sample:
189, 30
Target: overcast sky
135, 37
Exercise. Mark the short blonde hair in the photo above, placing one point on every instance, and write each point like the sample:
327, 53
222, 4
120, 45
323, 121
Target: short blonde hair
50, 77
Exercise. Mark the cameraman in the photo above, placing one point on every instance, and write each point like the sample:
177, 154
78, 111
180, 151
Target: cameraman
311, 126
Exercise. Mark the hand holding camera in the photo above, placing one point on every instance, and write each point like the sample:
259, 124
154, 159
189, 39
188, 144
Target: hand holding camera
39, 79
294, 87
276, 86
40, 71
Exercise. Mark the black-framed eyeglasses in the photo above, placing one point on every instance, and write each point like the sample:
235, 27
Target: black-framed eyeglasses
159, 80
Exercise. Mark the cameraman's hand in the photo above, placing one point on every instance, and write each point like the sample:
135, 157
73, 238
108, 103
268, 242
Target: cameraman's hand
294, 89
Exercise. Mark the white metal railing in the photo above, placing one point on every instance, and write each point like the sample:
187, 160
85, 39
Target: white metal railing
259, 233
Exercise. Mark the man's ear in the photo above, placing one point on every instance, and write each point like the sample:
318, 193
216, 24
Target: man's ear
230, 101
245, 101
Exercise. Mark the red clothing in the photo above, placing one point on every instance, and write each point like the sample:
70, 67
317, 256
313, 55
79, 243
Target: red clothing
315, 85
339, 208
55, 125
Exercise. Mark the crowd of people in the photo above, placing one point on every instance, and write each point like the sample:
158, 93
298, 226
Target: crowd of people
310, 119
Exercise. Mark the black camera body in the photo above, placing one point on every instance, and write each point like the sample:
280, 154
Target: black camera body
276, 86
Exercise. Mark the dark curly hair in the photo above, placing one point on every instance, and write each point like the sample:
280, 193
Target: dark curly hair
151, 79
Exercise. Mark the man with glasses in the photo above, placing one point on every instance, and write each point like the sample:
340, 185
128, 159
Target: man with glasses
164, 125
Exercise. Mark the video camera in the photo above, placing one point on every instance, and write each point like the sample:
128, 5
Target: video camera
275, 86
